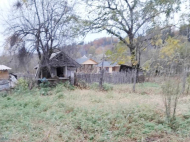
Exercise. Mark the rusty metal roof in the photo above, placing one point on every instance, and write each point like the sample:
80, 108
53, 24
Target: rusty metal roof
3, 67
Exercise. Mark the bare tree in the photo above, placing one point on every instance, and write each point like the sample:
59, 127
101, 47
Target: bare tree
43, 25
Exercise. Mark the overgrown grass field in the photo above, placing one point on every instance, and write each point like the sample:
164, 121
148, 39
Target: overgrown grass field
90, 115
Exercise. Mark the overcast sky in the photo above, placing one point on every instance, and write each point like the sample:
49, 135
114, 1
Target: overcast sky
5, 6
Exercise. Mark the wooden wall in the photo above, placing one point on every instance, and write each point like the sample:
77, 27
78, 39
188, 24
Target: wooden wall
87, 68
4, 75
90, 62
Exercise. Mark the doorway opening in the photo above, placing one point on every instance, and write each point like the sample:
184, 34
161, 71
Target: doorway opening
60, 72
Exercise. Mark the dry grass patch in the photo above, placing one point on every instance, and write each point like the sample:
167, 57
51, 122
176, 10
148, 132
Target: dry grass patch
90, 115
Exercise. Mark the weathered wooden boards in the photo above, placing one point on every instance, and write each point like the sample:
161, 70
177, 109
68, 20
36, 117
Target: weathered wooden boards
4, 85
114, 78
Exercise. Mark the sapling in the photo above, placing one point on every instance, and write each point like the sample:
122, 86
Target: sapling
171, 94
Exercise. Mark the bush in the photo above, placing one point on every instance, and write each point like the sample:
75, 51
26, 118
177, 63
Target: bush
171, 94
44, 88
94, 86
44, 91
3, 94
45, 84
22, 84
69, 86
106, 87
82, 84
59, 88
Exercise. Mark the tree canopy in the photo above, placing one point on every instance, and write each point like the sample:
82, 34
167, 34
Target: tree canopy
124, 18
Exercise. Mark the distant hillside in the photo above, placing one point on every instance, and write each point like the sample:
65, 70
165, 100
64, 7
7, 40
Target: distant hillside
94, 48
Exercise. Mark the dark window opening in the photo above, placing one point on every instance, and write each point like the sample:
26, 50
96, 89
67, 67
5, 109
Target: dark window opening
60, 72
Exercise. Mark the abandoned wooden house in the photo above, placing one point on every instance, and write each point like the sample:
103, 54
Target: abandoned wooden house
88, 65
62, 67
109, 67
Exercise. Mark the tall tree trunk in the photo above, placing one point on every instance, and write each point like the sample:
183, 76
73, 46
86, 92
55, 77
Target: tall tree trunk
134, 66
133, 57
184, 80
102, 74
47, 61
134, 78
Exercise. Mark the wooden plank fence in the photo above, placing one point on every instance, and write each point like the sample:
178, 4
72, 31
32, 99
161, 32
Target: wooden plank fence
114, 78
4, 85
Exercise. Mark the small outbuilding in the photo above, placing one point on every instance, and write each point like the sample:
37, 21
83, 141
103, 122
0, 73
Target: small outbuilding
4, 78
130, 69
109, 67
88, 65
62, 67
4, 72
125, 68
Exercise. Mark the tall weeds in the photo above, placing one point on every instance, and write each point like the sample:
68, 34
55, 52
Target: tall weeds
171, 94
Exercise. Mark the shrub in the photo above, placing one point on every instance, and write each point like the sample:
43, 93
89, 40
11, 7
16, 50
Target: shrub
59, 88
22, 84
44, 91
69, 86
60, 95
106, 87
82, 84
3, 94
44, 88
94, 86
171, 94
44, 84
188, 84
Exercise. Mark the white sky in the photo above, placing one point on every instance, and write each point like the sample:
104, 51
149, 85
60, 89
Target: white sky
5, 6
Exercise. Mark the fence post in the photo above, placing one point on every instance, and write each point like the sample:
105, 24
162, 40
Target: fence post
75, 79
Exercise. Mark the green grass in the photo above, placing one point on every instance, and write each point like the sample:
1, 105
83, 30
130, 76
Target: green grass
89, 115
148, 84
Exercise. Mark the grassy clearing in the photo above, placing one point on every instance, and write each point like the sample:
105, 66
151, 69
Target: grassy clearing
89, 115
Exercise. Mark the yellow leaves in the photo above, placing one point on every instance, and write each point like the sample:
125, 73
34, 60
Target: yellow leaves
170, 48
158, 42
127, 39
121, 62
146, 66
135, 63
120, 54
109, 52
144, 49
133, 60
121, 49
